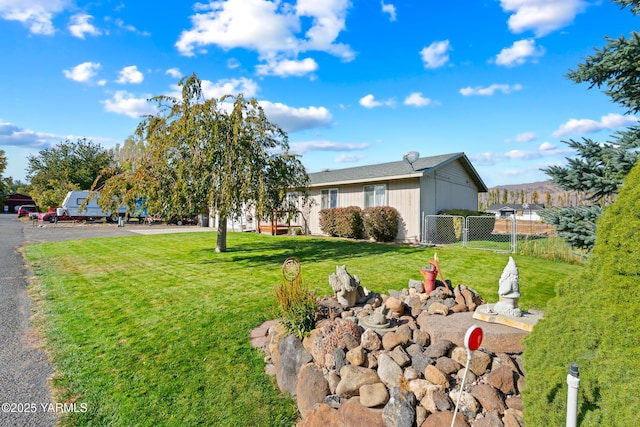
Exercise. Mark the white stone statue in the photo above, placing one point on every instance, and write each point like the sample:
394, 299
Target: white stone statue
347, 288
509, 291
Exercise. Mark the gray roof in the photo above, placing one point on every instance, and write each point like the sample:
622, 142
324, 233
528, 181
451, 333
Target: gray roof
393, 170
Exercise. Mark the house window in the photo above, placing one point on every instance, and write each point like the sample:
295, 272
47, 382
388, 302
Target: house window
375, 195
329, 198
293, 208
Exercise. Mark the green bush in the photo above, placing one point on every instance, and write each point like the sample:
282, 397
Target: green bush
328, 221
342, 222
381, 223
593, 321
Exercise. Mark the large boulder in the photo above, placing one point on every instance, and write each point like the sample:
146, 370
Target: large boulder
311, 389
291, 357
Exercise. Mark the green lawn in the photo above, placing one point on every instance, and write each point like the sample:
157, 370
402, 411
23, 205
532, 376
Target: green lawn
153, 330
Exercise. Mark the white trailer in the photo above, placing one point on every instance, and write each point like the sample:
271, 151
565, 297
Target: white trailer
72, 207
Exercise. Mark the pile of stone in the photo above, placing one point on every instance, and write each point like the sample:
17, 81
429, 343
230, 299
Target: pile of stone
393, 360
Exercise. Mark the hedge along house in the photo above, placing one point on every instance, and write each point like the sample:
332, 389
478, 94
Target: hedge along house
414, 186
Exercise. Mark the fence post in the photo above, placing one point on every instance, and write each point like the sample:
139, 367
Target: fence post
465, 232
514, 234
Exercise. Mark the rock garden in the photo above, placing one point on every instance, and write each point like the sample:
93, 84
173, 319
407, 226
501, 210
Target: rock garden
396, 359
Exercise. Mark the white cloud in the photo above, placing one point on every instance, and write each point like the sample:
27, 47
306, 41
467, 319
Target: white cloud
520, 154
369, 101
417, 100
390, 9
436, 54
547, 146
490, 90
79, 26
130, 74
545, 149
294, 119
518, 53
174, 72
541, 16
270, 28
287, 67
128, 104
233, 63
250, 24
128, 27
582, 126
305, 146
247, 87
349, 158
83, 73
523, 137
37, 15
12, 135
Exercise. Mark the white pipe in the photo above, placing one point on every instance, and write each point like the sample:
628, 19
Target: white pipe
573, 381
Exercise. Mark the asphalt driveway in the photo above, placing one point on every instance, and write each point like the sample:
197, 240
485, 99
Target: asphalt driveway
24, 396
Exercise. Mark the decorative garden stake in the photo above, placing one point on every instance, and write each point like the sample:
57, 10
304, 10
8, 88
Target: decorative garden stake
472, 341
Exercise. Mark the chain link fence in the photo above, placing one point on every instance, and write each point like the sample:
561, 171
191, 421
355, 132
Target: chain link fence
442, 230
489, 233
480, 232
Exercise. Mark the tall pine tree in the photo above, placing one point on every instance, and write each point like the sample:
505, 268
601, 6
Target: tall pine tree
600, 168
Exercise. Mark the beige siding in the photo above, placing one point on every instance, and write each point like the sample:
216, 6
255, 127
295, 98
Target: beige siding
449, 187
403, 195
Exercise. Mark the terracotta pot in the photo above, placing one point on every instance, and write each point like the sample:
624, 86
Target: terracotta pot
429, 278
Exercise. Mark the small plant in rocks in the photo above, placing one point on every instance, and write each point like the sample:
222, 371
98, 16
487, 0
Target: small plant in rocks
296, 303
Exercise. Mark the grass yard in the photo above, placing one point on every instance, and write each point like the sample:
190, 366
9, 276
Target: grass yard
153, 330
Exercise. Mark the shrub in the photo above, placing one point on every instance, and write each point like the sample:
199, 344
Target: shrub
593, 321
381, 223
328, 221
342, 222
296, 305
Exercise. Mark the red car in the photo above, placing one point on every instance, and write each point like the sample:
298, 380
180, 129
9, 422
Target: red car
25, 210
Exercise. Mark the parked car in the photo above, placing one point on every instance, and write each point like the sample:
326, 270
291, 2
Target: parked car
184, 220
25, 210
52, 216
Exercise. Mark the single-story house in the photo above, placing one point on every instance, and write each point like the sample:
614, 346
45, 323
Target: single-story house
522, 211
13, 201
415, 186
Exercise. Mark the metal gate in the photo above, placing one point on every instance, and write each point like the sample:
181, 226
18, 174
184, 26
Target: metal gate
474, 232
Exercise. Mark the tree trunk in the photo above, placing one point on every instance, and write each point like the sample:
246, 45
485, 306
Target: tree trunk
221, 242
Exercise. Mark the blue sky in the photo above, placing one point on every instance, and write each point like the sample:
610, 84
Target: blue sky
352, 82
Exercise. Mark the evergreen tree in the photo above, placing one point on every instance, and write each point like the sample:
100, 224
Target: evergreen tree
599, 169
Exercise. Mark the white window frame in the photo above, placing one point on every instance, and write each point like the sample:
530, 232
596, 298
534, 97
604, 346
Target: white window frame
293, 200
372, 191
329, 198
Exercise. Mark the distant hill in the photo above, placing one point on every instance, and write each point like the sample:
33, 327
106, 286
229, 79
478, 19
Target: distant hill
534, 192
